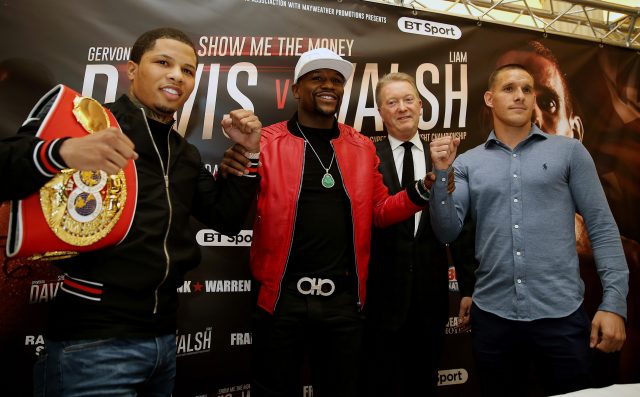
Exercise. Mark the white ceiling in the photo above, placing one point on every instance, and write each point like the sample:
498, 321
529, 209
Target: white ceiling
613, 22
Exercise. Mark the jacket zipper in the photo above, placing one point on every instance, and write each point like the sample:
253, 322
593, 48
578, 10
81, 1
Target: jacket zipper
295, 215
165, 173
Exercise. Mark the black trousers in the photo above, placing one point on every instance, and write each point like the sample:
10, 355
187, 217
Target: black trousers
505, 351
401, 360
324, 332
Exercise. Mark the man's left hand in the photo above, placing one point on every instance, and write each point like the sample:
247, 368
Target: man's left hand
607, 332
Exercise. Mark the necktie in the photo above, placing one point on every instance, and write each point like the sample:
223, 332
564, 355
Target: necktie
407, 176
407, 165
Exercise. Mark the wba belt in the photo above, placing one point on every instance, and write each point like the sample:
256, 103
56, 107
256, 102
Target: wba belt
76, 211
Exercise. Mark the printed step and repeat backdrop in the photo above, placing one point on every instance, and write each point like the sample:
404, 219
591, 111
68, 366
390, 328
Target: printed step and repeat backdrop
247, 52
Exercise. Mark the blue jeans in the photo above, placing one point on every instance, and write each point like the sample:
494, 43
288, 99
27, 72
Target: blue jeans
106, 367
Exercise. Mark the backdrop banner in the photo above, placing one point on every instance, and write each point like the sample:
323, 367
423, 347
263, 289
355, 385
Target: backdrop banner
247, 53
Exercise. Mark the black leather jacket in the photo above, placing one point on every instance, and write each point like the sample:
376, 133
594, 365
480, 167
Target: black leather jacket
129, 290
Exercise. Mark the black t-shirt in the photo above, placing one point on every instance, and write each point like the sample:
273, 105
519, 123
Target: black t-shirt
323, 238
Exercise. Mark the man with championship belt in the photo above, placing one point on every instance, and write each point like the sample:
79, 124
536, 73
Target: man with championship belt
113, 323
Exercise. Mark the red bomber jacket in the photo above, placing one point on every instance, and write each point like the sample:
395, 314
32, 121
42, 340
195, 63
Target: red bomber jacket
282, 156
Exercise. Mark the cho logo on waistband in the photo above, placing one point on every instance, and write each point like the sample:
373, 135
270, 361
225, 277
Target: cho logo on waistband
316, 286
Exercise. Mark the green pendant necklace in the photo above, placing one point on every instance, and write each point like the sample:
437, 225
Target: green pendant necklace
327, 179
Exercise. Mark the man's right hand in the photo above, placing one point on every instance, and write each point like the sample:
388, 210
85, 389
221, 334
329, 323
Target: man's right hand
234, 161
443, 151
464, 313
108, 150
430, 179
243, 127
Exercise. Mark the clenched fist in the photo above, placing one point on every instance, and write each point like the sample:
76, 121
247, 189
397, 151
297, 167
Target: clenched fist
443, 151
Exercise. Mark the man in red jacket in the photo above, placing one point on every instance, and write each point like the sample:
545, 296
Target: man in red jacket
320, 193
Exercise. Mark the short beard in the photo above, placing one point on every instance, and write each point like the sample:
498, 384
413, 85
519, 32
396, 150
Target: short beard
318, 109
167, 112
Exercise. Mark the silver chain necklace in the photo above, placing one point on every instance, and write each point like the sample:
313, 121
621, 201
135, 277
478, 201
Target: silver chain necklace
327, 179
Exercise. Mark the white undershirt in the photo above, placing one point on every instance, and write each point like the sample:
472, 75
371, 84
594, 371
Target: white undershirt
419, 165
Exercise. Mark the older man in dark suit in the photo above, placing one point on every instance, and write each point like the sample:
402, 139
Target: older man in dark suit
408, 306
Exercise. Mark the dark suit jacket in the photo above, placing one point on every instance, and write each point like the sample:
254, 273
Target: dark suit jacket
406, 270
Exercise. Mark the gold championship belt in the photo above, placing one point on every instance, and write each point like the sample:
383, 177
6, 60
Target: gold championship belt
76, 211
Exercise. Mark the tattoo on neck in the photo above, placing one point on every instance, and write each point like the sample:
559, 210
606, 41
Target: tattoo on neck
163, 118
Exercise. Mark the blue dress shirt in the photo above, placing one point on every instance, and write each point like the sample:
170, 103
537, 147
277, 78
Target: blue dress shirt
524, 202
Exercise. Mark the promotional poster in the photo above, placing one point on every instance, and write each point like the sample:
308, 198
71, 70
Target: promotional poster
247, 52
